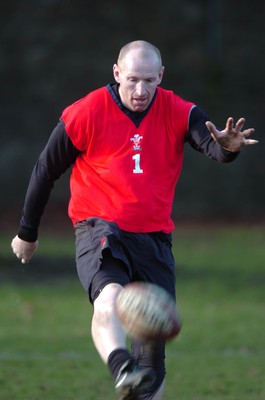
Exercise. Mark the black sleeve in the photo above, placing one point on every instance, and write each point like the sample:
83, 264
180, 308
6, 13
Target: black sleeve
201, 140
58, 155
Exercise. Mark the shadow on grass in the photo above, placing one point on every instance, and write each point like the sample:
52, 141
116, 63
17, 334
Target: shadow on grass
228, 277
40, 269
46, 268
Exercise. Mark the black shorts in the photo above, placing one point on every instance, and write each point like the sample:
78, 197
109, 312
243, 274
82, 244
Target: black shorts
106, 254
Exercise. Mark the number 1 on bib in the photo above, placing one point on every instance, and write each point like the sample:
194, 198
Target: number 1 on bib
137, 168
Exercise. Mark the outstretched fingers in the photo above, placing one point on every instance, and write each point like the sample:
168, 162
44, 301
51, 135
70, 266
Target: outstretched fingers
237, 129
248, 132
211, 127
251, 141
233, 138
240, 123
229, 124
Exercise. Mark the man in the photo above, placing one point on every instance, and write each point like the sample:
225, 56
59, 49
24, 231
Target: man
125, 145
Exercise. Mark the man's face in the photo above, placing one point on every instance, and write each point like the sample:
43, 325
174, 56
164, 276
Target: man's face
138, 76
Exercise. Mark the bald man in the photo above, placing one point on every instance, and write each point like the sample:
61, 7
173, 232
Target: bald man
124, 143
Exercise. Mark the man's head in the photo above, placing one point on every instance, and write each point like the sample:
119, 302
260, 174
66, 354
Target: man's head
138, 71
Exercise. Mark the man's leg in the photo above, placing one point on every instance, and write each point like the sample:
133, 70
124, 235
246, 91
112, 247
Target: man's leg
110, 341
151, 355
107, 332
160, 392
158, 395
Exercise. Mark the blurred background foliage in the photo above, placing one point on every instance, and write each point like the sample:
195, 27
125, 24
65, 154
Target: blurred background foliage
54, 52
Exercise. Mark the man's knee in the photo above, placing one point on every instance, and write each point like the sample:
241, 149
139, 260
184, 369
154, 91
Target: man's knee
105, 301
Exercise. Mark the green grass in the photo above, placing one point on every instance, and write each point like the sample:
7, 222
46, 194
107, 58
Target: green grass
46, 351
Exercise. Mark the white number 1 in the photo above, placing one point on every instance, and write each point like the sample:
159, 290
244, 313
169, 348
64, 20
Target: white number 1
137, 168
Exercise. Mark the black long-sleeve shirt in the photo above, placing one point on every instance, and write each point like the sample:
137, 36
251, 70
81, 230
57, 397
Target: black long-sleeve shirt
60, 153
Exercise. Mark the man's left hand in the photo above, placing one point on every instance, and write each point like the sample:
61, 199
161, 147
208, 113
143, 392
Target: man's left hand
232, 138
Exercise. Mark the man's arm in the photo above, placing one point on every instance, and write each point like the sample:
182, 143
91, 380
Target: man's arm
200, 139
58, 155
223, 146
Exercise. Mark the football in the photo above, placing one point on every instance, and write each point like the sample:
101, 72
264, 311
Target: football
147, 312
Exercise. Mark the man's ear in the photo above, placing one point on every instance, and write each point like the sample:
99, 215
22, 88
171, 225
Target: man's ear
116, 73
161, 74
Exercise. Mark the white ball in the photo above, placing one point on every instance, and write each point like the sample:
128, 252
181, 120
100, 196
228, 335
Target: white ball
148, 312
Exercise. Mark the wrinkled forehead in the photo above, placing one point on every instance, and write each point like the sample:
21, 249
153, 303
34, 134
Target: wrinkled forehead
140, 60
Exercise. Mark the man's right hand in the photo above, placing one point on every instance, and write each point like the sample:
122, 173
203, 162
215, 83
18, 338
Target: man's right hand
23, 250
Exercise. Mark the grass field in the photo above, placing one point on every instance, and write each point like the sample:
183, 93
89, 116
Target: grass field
46, 352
